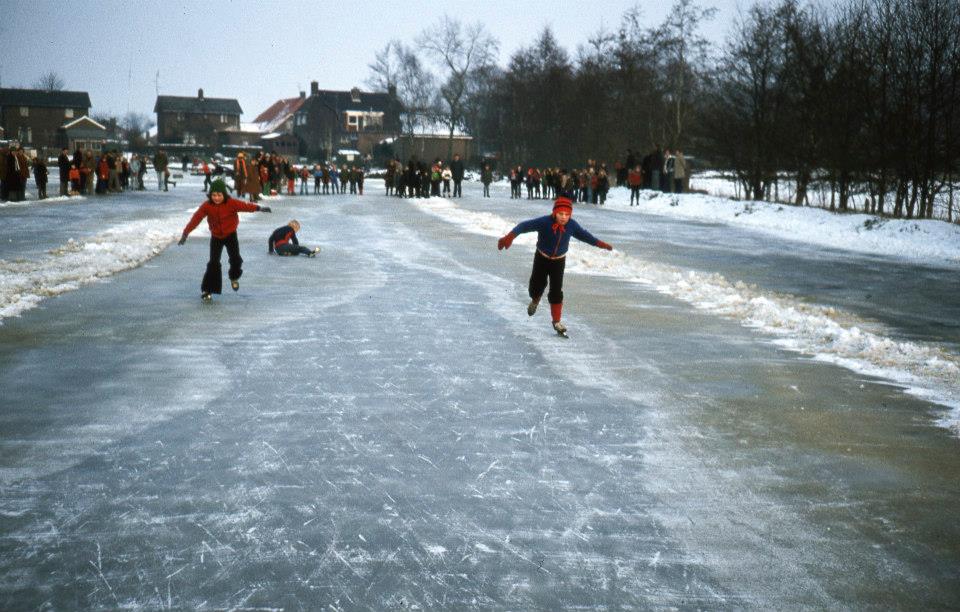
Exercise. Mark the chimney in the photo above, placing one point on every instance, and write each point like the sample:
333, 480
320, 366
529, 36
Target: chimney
392, 90
314, 88
200, 93
303, 95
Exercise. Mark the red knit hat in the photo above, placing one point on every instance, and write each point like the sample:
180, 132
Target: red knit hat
561, 203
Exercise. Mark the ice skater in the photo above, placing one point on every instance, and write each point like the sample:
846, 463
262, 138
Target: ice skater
553, 239
283, 241
222, 218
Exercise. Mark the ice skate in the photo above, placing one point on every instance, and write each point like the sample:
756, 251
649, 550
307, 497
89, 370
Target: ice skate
314, 252
560, 328
206, 297
532, 307
235, 285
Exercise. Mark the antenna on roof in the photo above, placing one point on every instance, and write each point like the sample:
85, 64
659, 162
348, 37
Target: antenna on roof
156, 82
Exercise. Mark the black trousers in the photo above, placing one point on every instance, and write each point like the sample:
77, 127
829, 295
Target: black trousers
288, 250
457, 188
545, 269
213, 278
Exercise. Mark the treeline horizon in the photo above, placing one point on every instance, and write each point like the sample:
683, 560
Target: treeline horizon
860, 95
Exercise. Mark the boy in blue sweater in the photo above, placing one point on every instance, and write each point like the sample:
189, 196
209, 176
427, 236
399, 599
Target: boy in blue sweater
553, 239
283, 241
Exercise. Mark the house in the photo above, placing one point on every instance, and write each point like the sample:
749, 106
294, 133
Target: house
191, 124
429, 141
85, 133
327, 120
35, 116
245, 137
276, 125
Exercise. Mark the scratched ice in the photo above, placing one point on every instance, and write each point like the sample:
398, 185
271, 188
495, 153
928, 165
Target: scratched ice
383, 427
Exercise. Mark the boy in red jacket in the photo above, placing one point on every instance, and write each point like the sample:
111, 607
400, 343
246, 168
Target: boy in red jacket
221, 213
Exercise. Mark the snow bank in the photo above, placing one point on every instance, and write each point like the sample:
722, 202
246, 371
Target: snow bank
24, 283
30, 200
929, 241
823, 332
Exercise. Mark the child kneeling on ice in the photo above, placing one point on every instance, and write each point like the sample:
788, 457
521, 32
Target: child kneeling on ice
221, 213
283, 241
553, 238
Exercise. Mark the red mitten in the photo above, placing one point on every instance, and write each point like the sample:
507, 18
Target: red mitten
506, 241
603, 245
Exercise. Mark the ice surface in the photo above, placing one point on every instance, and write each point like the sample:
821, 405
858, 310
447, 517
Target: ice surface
383, 427
820, 331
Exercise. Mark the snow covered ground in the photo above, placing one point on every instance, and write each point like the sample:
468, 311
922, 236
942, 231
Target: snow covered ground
755, 410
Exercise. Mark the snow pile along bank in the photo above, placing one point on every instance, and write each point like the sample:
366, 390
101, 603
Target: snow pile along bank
929, 241
24, 283
823, 332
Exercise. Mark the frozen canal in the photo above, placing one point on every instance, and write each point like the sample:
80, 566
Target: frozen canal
383, 427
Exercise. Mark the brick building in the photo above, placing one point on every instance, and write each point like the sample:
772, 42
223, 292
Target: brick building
191, 124
327, 121
35, 117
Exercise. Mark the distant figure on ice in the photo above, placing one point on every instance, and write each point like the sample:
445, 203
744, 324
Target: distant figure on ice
553, 240
486, 177
283, 241
221, 213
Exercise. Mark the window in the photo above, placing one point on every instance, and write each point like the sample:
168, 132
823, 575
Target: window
24, 111
223, 119
179, 116
25, 135
68, 113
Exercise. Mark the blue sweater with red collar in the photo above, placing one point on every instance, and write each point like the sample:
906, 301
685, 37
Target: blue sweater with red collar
554, 242
280, 237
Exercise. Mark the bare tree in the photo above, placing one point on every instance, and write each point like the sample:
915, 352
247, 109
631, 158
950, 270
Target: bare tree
134, 128
397, 68
49, 81
461, 53
683, 51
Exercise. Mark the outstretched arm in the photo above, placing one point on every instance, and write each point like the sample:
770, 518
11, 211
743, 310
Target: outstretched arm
578, 232
530, 225
193, 223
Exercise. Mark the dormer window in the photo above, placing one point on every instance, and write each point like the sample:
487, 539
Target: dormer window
68, 113
355, 95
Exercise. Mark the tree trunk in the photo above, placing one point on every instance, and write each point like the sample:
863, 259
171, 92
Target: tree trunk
803, 180
950, 199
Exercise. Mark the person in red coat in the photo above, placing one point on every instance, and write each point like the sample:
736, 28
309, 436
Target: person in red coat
222, 218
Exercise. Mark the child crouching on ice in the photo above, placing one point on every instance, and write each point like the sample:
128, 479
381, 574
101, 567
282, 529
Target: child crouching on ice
553, 238
222, 218
283, 241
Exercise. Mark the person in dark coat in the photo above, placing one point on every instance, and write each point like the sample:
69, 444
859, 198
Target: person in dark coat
15, 178
4, 187
63, 163
283, 241
40, 177
456, 169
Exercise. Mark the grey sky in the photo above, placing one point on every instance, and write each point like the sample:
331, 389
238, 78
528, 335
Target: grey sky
258, 52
